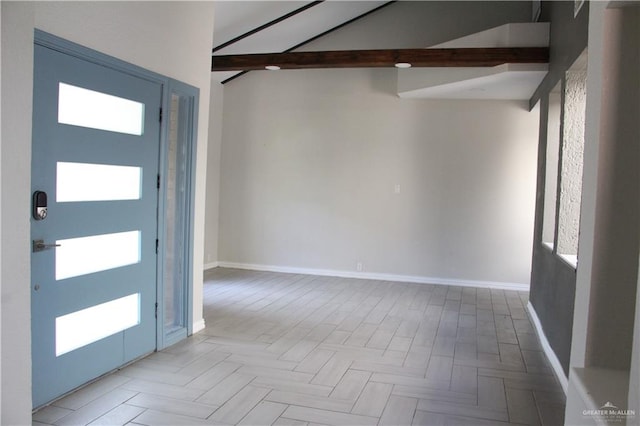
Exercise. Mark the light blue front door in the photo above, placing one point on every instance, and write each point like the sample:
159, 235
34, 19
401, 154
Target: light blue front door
96, 136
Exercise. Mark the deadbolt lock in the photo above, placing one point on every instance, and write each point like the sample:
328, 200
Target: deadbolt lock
39, 205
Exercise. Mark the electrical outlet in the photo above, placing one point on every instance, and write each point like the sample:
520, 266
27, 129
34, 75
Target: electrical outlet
396, 188
359, 266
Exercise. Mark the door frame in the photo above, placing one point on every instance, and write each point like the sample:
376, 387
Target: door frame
70, 48
192, 93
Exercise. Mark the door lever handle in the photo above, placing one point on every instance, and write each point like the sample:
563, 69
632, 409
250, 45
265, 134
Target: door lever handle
39, 245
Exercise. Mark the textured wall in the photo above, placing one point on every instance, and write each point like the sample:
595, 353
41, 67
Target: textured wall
575, 99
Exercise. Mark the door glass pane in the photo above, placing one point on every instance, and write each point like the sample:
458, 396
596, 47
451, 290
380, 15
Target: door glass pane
97, 182
96, 110
85, 255
89, 325
175, 220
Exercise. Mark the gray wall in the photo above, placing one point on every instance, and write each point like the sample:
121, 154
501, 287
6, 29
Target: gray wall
553, 281
310, 164
567, 38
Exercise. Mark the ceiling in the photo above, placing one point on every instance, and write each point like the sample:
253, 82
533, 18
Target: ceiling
282, 25
507, 81
272, 27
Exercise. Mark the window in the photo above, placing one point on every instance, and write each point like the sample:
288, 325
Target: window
89, 325
551, 171
85, 255
575, 98
97, 182
565, 151
95, 110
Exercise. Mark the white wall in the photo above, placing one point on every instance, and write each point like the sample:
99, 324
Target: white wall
311, 159
213, 175
403, 24
17, 64
171, 38
1, 258
595, 60
606, 318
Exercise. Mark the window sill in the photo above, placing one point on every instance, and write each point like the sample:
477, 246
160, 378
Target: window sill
597, 387
570, 259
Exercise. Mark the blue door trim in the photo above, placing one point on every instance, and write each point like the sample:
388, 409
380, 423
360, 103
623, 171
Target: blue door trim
70, 48
165, 337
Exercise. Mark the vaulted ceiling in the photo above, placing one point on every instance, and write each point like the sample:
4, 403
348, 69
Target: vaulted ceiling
244, 27
252, 35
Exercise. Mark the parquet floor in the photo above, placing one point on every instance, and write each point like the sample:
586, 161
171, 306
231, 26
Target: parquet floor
288, 349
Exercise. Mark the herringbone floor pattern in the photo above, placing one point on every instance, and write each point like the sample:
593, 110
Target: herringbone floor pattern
287, 349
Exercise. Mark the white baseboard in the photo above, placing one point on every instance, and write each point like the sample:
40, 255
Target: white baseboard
210, 265
198, 326
377, 276
548, 351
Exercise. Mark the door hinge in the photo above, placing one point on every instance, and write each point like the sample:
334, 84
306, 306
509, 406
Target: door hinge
156, 309
160, 118
158, 181
157, 243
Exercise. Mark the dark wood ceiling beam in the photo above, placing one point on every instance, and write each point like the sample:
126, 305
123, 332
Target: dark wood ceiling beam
464, 57
307, 41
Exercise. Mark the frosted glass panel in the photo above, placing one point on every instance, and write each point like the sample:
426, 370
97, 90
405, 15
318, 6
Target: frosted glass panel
175, 214
89, 325
96, 110
97, 182
85, 255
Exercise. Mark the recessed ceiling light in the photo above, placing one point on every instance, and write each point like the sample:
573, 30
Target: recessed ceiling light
272, 67
403, 65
